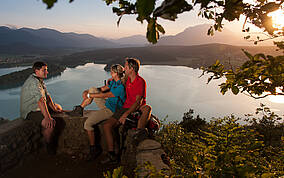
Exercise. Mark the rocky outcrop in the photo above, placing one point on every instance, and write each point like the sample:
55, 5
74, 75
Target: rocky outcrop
20, 138
2, 120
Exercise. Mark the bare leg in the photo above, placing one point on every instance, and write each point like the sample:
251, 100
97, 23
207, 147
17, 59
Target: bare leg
91, 135
47, 134
146, 113
108, 126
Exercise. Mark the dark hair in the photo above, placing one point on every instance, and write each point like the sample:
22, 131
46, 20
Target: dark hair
38, 65
133, 63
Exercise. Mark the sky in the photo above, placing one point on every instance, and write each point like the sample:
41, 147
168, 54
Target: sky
89, 16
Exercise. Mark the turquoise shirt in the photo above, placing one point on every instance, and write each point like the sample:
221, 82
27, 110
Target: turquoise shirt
118, 90
31, 92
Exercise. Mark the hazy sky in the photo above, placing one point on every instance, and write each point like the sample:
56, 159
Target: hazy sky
87, 16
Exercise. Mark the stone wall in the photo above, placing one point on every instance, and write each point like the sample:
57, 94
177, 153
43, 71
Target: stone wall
18, 138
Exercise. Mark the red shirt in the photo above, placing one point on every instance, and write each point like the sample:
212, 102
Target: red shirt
137, 87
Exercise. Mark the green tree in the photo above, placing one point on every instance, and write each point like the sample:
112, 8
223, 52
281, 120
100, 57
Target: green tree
260, 74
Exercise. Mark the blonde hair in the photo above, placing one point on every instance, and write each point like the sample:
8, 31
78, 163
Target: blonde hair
119, 69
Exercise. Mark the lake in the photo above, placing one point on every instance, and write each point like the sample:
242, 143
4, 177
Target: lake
171, 91
4, 71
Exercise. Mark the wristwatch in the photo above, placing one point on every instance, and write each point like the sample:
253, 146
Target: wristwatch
88, 95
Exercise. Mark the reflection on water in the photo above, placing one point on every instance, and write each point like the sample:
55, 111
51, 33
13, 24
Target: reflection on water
4, 71
171, 90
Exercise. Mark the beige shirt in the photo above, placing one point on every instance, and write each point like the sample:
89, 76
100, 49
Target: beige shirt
31, 92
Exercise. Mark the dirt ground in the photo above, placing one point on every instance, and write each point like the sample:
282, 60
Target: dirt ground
42, 165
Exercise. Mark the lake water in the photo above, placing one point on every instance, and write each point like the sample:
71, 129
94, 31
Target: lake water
171, 90
4, 71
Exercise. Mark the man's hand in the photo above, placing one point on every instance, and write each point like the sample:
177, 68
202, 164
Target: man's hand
122, 119
48, 123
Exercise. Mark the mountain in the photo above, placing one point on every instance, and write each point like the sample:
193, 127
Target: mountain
131, 41
48, 38
192, 56
197, 35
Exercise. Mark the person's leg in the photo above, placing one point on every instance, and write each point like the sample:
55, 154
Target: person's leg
111, 157
146, 113
78, 110
47, 134
108, 127
94, 118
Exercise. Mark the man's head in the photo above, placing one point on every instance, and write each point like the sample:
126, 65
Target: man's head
40, 69
131, 65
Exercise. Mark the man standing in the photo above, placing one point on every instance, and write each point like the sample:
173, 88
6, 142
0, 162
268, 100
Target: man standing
35, 103
135, 100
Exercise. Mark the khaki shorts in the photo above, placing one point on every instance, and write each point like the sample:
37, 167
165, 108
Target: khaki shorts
98, 116
35, 116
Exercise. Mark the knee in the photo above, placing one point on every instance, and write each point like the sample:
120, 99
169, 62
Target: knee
88, 126
146, 109
107, 125
48, 131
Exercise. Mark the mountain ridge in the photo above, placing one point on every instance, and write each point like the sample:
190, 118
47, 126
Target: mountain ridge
50, 38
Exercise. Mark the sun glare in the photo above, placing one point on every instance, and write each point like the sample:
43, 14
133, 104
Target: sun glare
277, 18
277, 98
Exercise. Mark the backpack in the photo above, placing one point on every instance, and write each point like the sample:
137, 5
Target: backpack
131, 121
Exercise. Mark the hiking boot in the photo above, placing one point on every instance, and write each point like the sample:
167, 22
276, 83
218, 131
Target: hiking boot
140, 135
111, 158
77, 111
95, 151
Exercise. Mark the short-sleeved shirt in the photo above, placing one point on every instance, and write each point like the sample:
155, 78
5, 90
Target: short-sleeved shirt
137, 87
31, 92
118, 90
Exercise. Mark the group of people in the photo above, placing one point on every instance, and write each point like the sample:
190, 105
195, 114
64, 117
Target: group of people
124, 93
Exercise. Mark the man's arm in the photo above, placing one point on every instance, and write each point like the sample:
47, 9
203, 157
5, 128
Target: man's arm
52, 105
133, 108
48, 121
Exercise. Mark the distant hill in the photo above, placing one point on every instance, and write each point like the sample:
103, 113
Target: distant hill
132, 41
42, 39
192, 56
197, 35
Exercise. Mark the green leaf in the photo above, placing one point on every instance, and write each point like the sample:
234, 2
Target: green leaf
144, 8
108, 2
152, 34
160, 28
235, 90
49, 3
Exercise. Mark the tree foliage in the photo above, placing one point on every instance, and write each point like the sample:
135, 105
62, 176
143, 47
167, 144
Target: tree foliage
260, 76
226, 148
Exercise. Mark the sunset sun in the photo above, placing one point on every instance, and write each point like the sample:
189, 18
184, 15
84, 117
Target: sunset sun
277, 18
